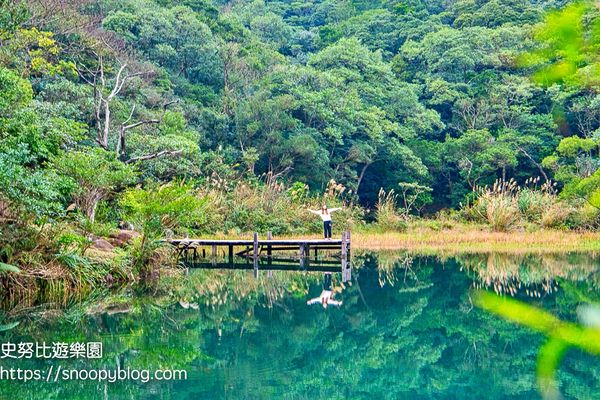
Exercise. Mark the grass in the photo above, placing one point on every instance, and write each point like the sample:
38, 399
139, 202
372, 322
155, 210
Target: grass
478, 239
471, 239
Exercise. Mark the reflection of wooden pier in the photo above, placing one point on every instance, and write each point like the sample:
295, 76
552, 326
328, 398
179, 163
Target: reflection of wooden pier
327, 255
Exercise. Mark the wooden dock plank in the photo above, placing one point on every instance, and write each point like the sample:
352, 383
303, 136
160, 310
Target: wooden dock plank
238, 242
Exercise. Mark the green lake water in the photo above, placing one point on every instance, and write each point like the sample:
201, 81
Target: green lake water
406, 330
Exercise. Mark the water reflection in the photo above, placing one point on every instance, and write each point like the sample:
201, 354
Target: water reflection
530, 275
407, 329
326, 297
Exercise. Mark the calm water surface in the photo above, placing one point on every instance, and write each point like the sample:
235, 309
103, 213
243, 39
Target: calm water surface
406, 329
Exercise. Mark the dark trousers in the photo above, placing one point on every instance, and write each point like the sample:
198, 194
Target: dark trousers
327, 229
327, 281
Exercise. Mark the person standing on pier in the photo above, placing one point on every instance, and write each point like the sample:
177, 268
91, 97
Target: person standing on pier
325, 215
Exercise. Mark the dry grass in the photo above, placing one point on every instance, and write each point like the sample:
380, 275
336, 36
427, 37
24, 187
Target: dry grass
475, 239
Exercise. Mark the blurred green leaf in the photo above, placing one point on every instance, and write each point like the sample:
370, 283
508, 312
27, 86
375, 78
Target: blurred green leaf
561, 335
7, 327
9, 268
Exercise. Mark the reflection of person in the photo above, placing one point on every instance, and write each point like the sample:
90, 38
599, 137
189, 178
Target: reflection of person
326, 297
325, 215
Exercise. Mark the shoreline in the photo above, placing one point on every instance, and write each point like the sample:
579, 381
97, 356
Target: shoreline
474, 239
417, 240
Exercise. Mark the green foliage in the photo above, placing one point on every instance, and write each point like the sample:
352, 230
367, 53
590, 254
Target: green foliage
12, 15
96, 174
35, 53
16, 92
478, 155
561, 335
30, 193
573, 146
157, 208
569, 41
8, 268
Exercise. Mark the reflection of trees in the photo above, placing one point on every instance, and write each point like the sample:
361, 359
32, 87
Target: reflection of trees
407, 329
533, 275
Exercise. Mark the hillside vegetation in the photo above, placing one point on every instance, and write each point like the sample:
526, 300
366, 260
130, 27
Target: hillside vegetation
122, 122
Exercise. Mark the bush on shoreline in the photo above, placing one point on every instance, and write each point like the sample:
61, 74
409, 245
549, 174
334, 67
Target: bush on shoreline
505, 206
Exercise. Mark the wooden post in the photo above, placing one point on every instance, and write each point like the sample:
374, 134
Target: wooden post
255, 253
203, 253
345, 265
230, 253
346, 272
348, 244
269, 254
269, 249
301, 255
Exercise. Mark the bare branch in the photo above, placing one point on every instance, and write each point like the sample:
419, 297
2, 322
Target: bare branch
154, 155
125, 126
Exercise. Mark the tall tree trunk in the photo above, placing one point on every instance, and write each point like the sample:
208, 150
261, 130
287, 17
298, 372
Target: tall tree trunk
362, 175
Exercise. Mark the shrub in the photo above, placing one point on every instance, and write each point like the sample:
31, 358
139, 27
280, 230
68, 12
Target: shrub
534, 200
506, 205
556, 215
386, 213
267, 205
498, 205
156, 209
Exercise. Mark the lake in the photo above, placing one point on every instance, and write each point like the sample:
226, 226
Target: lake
406, 328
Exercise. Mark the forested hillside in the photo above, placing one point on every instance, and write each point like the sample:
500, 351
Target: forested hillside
104, 102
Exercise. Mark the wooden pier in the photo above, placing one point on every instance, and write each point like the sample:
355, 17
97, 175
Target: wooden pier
268, 253
261, 247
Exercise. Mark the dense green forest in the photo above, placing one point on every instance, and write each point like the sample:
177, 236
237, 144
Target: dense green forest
219, 116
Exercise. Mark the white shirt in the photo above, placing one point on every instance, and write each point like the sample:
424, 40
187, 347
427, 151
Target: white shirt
325, 216
326, 298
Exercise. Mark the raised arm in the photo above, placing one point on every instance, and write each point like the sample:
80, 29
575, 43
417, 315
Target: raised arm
334, 302
314, 301
314, 211
334, 209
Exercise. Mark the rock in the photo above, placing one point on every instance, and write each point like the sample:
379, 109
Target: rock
122, 237
102, 244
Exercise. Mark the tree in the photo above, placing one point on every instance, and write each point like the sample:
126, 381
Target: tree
16, 93
479, 156
105, 94
96, 173
155, 209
